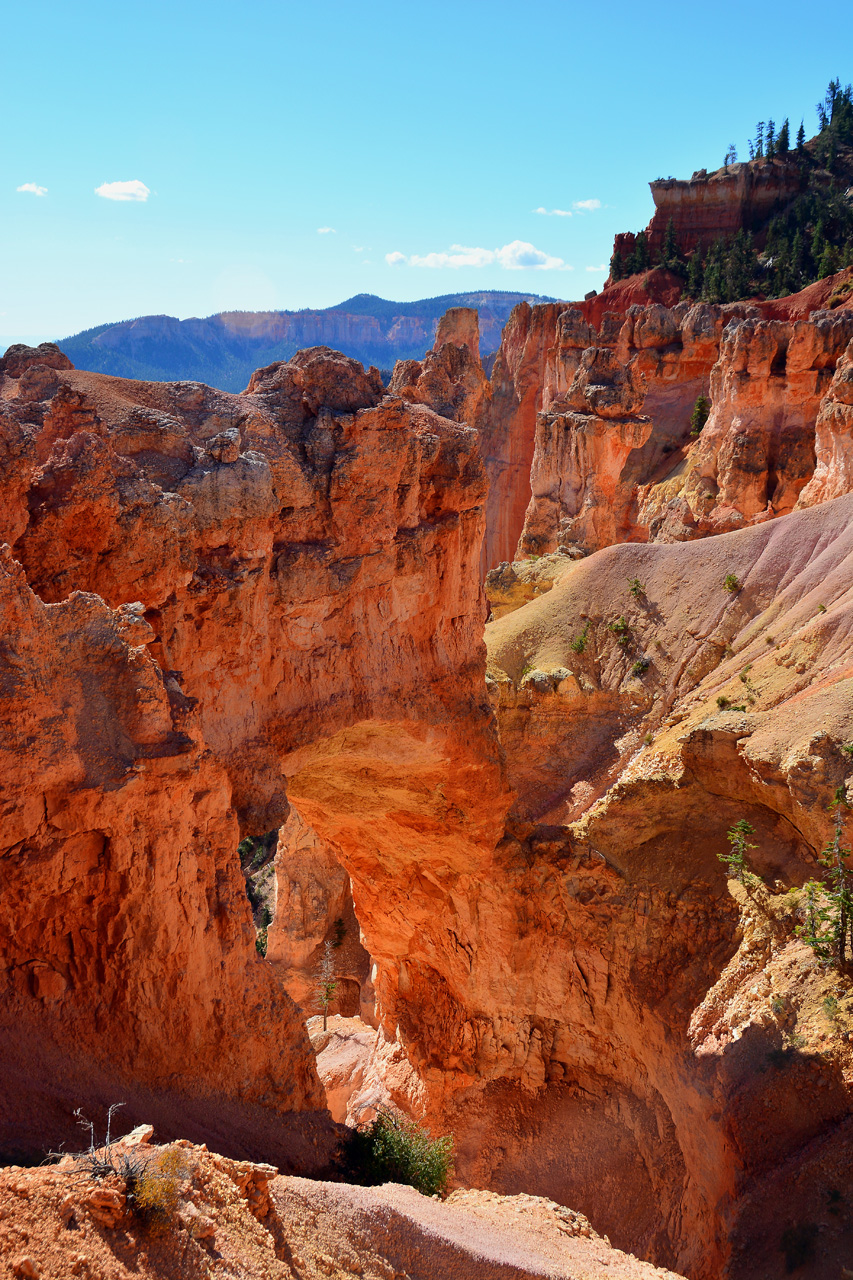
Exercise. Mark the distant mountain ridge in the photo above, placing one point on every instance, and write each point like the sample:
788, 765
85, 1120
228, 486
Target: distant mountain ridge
223, 350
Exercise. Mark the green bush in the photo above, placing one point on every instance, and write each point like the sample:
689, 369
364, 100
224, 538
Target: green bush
579, 643
700, 414
393, 1149
731, 583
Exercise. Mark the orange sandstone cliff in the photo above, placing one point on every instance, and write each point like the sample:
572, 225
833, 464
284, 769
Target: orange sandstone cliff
234, 613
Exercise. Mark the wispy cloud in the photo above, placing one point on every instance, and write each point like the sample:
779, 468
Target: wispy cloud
586, 206
358, 248
134, 190
603, 267
553, 213
33, 188
326, 231
518, 255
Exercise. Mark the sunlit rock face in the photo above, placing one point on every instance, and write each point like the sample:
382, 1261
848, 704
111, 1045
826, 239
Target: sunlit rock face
212, 602
232, 614
598, 422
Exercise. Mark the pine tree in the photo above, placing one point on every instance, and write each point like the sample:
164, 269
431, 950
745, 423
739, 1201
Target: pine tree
783, 142
713, 287
670, 256
759, 140
695, 274
770, 140
617, 266
736, 858
639, 259
801, 139
828, 927
327, 983
827, 264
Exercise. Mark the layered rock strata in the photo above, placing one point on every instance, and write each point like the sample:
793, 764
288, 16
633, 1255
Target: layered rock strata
212, 601
603, 430
287, 612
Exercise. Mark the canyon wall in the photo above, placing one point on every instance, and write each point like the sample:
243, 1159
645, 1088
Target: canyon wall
265, 611
213, 602
603, 431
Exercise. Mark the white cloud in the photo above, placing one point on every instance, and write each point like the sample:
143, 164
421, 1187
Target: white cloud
519, 255
33, 188
586, 205
326, 231
358, 248
134, 190
603, 267
554, 213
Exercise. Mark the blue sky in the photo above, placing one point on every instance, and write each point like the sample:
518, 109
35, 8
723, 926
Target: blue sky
423, 138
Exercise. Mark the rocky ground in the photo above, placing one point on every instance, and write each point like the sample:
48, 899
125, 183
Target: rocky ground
204, 1216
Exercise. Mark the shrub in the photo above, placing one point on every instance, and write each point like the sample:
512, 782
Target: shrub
641, 665
731, 583
393, 1149
155, 1190
620, 627
699, 416
152, 1179
579, 644
723, 702
636, 588
340, 932
828, 926
261, 941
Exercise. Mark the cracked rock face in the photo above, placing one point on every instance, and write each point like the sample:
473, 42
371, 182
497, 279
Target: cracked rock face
230, 614
213, 602
589, 428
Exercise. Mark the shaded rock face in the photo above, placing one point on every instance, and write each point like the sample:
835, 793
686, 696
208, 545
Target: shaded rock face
212, 602
313, 906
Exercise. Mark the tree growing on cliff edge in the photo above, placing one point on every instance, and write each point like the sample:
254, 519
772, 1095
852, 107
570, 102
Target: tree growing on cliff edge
327, 983
736, 859
828, 926
699, 416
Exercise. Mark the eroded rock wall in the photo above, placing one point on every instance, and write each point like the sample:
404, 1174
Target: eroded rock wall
657, 1004
236, 597
600, 476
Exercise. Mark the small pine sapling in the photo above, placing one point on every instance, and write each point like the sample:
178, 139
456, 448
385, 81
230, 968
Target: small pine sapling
736, 859
327, 983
